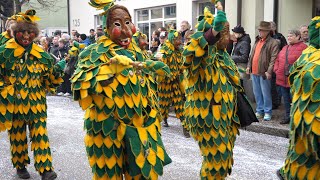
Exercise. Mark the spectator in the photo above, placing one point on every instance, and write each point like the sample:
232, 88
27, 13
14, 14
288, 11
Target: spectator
84, 39
73, 33
65, 87
154, 45
260, 65
163, 38
287, 56
54, 47
276, 96
99, 29
304, 34
241, 50
57, 33
184, 27
187, 36
92, 36
155, 34
99, 34
44, 42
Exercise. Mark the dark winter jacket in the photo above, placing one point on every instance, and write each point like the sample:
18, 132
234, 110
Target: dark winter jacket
241, 50
294, 52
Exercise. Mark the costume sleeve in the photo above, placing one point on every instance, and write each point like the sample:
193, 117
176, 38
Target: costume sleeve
54, 75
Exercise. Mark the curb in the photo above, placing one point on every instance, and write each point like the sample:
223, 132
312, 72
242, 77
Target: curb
265, 127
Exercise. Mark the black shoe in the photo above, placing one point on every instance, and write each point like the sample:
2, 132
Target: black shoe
165, 123
186, 133
279, 175
23, 173
48, 175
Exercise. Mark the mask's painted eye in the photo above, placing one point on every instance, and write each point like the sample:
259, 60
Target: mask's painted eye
127, 22
117, 24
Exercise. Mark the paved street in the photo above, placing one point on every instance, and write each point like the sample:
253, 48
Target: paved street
256, 156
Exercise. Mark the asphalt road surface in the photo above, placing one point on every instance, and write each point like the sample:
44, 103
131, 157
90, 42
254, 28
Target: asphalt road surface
256, 156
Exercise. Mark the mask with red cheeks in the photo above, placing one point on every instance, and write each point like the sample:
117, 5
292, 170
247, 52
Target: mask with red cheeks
121, 28
25, 38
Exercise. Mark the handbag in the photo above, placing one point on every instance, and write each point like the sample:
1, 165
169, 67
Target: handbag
245, 112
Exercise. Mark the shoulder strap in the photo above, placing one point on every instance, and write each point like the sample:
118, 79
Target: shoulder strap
287, 52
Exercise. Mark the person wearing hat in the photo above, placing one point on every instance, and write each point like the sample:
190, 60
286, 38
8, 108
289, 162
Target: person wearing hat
260, 66
27, 73
114, 84
303, 157
241, 50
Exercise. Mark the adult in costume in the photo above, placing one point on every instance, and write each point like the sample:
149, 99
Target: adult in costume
113, 85
211, 94
303, 157
27, 73
169, 90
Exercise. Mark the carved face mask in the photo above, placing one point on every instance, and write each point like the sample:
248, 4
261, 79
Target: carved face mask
121, 28
177, 41
25, 38
143, 42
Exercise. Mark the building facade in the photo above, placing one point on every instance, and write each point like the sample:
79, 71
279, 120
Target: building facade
149, 15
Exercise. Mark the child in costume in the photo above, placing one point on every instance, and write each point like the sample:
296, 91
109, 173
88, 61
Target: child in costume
141, 40
303, 157
26, 74
211, 93
113, 85
169, 90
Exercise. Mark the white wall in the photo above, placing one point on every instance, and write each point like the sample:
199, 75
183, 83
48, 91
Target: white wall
81, 19
293, 13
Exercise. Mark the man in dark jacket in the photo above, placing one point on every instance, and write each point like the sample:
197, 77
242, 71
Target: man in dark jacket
241, 50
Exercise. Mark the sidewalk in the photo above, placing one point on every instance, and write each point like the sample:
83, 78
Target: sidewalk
272, 127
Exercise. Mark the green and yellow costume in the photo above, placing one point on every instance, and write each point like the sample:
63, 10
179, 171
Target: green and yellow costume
4, 37
169, 89
303, 158
211, 96
26, 74
122, 121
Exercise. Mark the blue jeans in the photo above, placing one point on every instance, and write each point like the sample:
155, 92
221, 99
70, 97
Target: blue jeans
287, 98
262, 94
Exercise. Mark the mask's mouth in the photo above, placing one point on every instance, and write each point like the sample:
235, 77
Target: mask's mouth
125, 42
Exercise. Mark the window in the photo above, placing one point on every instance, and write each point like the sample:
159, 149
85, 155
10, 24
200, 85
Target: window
316, 8
97, 20
209, 5
156, 13
143, 15
149, 20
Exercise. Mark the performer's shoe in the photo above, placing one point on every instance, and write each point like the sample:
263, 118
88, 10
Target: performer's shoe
23, 173
165, 123
186, 133
48, 175
279, 175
